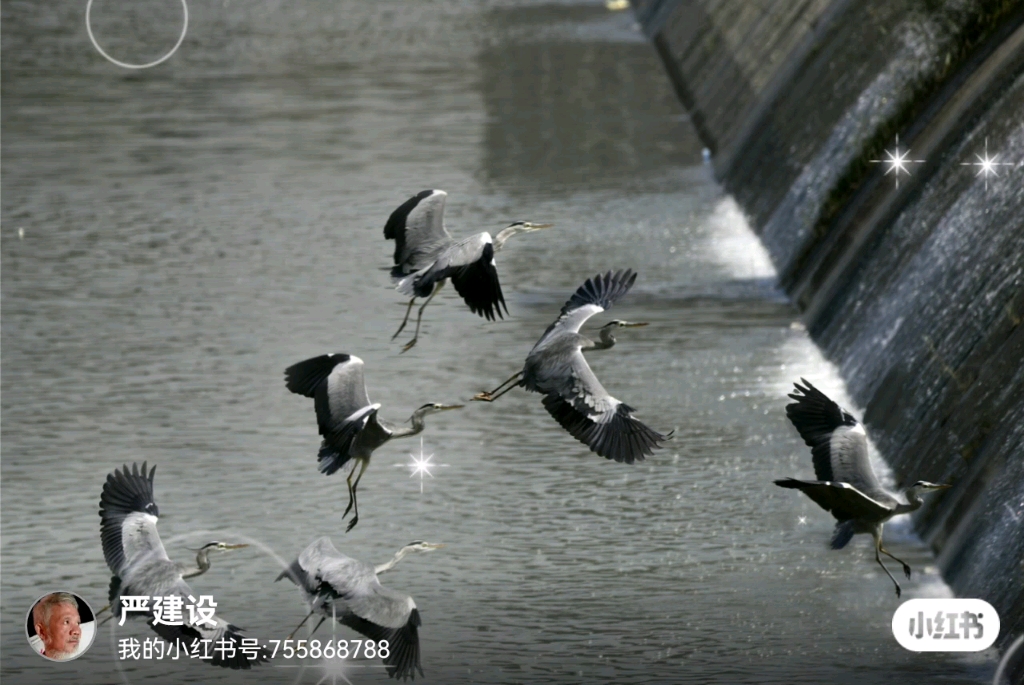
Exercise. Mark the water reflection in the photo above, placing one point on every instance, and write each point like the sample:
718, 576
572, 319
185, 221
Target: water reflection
577, 108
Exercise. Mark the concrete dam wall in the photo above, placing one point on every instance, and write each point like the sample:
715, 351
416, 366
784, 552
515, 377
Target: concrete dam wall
910, 277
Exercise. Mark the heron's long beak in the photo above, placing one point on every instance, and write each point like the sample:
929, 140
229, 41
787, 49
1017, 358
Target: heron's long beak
433, 545
629, 324
238, 546
944, 486
452, 406
535, 227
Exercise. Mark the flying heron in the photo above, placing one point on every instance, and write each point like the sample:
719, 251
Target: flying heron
139, 562
426, 255
337, 585
846, 485
348, 421
557, 369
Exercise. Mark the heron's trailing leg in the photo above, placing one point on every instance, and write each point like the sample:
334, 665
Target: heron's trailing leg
494, 394
406, 319
878, 547
300, 625
353, 502
419, 317
906, 566
322, 619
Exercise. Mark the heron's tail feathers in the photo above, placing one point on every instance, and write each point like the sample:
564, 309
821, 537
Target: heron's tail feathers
406, 283
304, 377
294, 573
796, 484
842, 535
330, 459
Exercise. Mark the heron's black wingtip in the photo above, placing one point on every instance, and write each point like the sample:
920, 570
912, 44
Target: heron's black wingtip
602, 290
304, 377
128, 490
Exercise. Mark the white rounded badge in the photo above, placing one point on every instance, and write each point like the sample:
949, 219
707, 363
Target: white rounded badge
945, 625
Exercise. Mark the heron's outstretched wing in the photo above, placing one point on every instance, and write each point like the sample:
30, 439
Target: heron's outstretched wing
128, 518
470, 265
843, 500
307, 569
582, 406
362, 603
343, 409
403, 642
417, 227
596, 295
838, 442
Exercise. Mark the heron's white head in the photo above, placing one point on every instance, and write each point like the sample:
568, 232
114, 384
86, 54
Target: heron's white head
608, 330
515, 228
435, 407
527, 227
421, 546
923, 486
217, 546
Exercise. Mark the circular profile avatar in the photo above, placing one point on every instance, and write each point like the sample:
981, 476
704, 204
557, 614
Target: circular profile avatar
60, 626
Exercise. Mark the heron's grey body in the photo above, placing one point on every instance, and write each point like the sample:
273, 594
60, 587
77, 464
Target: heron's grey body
347, 420
426, 255
140, 564
337, 585
573, 395
846, 486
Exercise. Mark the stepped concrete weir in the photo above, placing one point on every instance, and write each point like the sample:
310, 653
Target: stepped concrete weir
909, 275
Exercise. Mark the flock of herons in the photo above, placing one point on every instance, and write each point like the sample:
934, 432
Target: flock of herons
426, 256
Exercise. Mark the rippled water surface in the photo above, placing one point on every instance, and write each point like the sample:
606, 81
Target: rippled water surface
188, 231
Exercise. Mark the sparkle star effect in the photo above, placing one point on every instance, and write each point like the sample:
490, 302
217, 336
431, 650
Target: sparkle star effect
420, 465
897, 162
987, 165
802, 521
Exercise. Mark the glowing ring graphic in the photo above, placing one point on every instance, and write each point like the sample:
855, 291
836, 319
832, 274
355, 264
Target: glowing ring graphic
1004, 663
126, 65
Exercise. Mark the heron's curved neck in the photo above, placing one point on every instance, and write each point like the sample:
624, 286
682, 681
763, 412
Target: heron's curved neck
504, 234
915, 502
607, 340
417, 426
394, 560
202, 565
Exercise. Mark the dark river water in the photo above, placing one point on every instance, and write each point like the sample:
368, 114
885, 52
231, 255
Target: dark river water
174, 237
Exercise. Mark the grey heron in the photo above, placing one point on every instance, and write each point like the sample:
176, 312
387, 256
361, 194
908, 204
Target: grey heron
573, 395
846, 486
347, 419
335, 584
139, 562
426, 255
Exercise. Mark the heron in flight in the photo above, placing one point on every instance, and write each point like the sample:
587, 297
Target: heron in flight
426, 255
846, 486
575, 398
339, 586
348, 422
139, 562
